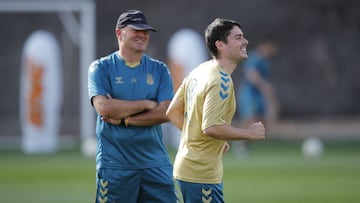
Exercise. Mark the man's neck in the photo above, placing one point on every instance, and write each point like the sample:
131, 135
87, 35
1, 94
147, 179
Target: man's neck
228, 66
130, 57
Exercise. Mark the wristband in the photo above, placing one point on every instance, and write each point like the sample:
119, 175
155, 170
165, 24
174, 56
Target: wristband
126, 121
122, 122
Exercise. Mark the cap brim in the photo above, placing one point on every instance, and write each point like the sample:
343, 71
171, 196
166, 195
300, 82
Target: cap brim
142, 27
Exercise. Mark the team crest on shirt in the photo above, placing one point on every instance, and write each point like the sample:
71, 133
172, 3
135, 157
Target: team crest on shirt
149, 79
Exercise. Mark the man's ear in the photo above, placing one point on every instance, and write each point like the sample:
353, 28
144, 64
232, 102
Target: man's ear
118, 32
219, 44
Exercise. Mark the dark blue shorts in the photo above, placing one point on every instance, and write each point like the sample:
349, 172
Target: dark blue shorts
196, 192
135, 185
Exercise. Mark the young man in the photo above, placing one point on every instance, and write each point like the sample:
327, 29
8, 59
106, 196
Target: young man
203, 108
131, 92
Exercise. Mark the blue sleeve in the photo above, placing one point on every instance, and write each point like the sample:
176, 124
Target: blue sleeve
165, 91
98, 84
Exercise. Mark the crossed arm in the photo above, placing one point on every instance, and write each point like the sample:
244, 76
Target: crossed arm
136, 113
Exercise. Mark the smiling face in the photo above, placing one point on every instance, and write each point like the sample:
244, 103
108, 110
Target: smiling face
235, 47
131, 39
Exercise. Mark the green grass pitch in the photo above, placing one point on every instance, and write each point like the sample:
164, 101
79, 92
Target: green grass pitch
273, 172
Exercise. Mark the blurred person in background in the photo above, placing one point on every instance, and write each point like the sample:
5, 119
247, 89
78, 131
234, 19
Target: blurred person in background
186, 50
131, 92
203, 107
256, 99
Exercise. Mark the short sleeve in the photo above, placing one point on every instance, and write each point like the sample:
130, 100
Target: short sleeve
214, 108
97, 80
165, 91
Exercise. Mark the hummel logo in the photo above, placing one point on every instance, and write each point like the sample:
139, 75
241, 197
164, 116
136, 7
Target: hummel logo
225, 80
206, 192
104, 183
223, 95
118, 80
206, 198
224, 85
102, 200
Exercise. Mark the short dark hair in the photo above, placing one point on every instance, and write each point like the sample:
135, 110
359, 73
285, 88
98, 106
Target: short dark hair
219, 29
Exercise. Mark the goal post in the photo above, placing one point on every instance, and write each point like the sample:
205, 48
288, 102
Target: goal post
86, 43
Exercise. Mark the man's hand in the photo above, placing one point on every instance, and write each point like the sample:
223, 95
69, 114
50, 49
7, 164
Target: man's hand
226, 147
258, 130
110, 120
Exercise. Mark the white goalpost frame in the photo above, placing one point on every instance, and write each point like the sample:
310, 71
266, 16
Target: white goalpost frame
86, 8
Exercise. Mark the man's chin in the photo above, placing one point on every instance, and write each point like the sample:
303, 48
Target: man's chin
140, 50
244, 57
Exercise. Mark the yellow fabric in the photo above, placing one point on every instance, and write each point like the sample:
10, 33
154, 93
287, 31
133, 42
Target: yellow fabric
208, 94
132, 65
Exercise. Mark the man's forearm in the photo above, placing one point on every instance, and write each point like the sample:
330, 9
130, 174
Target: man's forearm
175, 112
121, 108
118, 109
149, 118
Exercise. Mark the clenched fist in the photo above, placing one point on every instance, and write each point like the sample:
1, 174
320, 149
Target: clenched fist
258, 130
